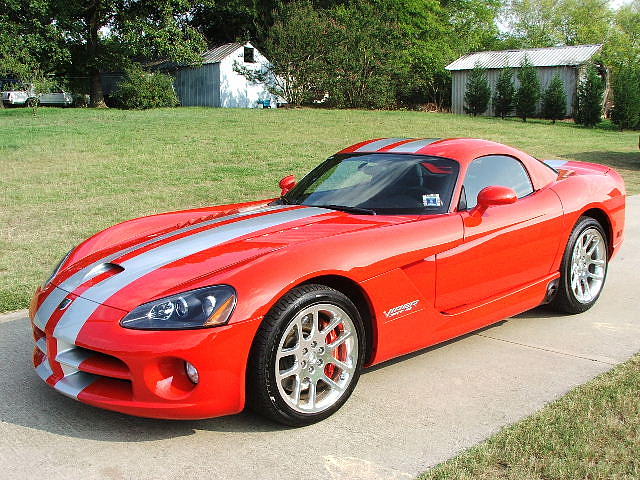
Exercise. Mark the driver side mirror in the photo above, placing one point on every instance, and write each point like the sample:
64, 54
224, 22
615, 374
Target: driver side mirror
494, 195
287, 183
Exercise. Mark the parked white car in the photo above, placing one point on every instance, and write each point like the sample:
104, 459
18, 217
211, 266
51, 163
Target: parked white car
15, 97
24, 97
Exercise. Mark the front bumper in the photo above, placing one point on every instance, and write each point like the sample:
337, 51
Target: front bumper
142, 372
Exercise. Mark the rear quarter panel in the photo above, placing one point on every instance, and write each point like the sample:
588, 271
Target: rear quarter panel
590, 188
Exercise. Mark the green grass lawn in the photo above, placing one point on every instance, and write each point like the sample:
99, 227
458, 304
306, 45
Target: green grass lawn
68, 173
591, 433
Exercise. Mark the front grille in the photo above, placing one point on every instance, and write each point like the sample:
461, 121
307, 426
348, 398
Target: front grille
74, 369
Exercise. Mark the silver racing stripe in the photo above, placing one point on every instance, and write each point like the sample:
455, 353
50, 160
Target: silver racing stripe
44, 369
73, 384
378, 144
47, 308
81, 309
74, 319
412, 147
555, 164
87, 273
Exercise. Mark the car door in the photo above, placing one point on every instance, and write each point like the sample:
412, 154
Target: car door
508, 246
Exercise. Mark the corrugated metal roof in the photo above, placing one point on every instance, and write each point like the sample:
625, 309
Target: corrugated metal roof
216, 54
539, 57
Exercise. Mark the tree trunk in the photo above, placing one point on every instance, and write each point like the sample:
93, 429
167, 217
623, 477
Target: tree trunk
96, 93
93, 43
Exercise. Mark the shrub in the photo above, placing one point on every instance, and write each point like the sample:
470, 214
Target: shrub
505, 93
478, 93
626, 97
554, 100
589, 98
141, 90
528, 93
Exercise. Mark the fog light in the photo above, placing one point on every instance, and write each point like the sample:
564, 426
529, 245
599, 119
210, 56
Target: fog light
192, 372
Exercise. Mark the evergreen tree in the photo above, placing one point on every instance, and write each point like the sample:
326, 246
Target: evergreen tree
528, 93
505, 93
478, 93
554, 100
589, 98
626, 97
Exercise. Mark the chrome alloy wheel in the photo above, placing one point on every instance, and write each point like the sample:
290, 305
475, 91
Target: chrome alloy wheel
316, 358
588, 265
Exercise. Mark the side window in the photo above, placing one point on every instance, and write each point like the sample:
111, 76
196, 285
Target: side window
495, 170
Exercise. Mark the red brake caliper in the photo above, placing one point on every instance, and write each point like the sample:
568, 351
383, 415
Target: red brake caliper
330, 368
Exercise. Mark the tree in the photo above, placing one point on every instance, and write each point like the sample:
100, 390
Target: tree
505, 93
588, 110
431, 34
363, 47
623, 44
141, 90
528, 92
543, 23
478, 93
554, 100
626, 97
434, 33
108, 34
31, 45
230, 21
297, 44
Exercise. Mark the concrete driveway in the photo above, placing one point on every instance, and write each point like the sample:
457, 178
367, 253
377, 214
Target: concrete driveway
404, 417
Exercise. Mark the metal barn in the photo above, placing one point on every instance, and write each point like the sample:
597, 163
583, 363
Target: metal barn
565, 61
216, 84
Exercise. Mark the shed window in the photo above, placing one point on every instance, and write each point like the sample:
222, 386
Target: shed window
248, 55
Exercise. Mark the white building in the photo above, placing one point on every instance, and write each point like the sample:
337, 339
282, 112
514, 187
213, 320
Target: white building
217, 84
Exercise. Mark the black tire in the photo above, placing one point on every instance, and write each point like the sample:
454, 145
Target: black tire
263, 395
565, 300
33, 102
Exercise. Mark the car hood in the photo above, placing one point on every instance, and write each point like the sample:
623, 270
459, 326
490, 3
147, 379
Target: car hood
152, 257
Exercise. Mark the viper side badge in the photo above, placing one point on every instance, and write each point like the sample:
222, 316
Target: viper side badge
401, 309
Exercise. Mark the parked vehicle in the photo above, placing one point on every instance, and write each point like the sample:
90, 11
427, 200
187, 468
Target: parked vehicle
15, 97
25, 97
387, 247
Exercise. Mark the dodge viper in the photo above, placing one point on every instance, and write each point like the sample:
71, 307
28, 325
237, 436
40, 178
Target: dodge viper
385, 248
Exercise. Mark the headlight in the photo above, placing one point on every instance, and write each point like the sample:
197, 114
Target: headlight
204, 307
57, 269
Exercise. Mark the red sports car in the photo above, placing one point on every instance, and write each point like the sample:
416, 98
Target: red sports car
387, 247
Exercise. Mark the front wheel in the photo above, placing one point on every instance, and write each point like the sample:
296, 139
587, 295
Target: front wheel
584, 268
307, 356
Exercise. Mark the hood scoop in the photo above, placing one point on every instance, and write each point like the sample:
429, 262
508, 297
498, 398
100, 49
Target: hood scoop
104, 271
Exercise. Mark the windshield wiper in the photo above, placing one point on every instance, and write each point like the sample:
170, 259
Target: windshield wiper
345, 208
282, 201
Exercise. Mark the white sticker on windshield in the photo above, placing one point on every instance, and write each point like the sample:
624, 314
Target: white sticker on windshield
431, 200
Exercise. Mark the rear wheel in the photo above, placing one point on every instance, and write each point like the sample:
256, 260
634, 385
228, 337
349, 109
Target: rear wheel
307, 356
584, 268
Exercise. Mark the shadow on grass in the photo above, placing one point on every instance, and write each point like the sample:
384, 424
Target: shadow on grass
627, 160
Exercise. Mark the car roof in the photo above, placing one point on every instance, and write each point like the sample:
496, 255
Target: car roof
463, 150
460, 149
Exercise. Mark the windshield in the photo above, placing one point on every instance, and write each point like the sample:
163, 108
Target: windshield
379, 183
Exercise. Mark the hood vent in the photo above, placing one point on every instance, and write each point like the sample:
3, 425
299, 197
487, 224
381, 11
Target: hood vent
103, 268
